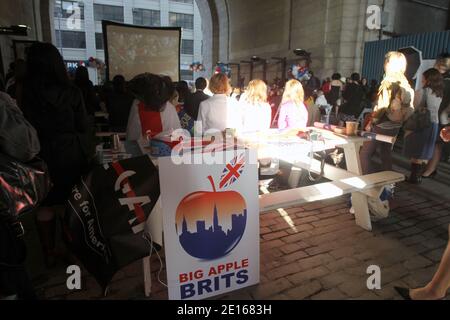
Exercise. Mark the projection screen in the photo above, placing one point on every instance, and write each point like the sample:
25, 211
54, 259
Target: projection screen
132, 50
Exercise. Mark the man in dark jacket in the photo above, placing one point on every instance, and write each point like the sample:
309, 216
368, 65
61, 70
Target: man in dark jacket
353, 96
192, 104
18, 140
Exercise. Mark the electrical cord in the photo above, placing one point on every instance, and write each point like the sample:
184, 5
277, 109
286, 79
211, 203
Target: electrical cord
152, 248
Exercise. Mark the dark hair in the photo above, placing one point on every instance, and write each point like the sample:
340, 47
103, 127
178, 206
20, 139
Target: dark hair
443, 60
336, 76
355, 77
435, 81
45, 66
45, 70
183, 90
151, 89
170, 85
82, 76
183, 85
201, 84
119, 83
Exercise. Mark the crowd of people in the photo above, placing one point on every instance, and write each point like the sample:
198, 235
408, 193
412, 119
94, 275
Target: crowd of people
47, 114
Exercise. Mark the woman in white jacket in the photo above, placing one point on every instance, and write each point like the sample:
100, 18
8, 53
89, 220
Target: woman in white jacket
220, 112
256, 111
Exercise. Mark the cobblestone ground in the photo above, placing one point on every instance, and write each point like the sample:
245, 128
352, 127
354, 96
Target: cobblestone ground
324, 256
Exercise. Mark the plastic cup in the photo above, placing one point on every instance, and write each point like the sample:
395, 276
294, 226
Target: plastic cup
352, 128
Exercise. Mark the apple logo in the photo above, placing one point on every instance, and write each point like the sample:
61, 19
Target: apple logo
211, 224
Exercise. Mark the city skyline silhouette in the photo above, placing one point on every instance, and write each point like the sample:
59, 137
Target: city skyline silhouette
214, 242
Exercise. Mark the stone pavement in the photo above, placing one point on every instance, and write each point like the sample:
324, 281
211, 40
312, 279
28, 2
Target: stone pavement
323, 256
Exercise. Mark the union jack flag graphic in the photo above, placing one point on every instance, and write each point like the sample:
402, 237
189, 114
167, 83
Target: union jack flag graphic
232, 171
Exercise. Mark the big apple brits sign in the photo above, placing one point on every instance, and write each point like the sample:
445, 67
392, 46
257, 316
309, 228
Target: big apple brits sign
211, 225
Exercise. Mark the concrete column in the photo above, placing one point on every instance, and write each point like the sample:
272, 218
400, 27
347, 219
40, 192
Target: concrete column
128, 12
89, 25
164, 13
198, 39
350, 50
224, 19
206, 12
47, 20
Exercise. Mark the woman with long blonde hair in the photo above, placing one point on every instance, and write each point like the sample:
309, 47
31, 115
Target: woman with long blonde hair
394, 106
293, 112
256, 111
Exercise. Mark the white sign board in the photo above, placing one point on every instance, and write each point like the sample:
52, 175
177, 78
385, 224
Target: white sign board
211, 225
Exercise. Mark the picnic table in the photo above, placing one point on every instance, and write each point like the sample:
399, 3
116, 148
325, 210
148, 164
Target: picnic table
294, 150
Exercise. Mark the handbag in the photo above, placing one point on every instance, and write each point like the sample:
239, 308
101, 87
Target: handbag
420, 119
23, 186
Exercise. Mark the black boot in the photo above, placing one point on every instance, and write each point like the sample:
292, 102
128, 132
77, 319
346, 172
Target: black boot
423, 168
416, 173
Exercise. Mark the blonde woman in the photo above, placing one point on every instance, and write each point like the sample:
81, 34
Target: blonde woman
394, 106
256, 111
293, 112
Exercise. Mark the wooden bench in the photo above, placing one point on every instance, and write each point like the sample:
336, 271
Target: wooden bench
292, 198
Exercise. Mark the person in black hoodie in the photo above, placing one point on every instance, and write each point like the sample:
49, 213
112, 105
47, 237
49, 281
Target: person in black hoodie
353, 96
56, 109
91, 104
87, 89
118, 103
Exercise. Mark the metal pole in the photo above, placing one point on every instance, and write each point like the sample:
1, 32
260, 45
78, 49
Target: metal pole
60, 31
240, 85
265, 70
283, 62
380, 36
251, 68
238, 72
